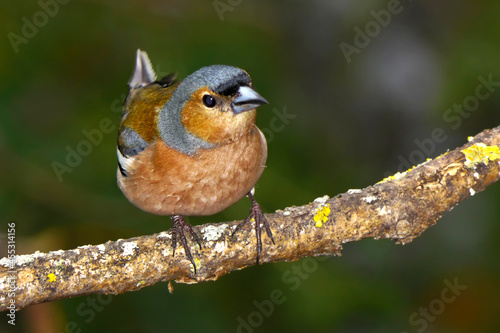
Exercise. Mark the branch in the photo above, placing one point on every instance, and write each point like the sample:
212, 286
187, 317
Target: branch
400, 208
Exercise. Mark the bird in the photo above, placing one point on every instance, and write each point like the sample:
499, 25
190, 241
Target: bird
191, 147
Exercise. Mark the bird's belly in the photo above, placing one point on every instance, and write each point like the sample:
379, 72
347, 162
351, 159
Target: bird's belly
166, 182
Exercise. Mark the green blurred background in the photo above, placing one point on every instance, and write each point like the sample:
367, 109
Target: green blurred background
356, 119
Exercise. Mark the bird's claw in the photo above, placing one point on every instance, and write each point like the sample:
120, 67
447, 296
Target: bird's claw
179, 229
257, 215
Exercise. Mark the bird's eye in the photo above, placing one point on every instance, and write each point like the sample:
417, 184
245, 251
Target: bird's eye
209, 101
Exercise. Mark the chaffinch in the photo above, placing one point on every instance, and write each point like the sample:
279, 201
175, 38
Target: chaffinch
192, 147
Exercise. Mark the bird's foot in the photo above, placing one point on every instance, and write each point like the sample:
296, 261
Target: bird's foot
181, 226
260, 220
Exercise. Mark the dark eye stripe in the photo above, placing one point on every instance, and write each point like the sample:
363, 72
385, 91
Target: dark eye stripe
230, 91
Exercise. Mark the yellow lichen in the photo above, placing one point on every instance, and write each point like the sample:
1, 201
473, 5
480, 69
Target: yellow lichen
51, 277
197, 262
321, 216
397, 175
480, 153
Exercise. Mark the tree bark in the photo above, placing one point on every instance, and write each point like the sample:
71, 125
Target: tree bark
400, 207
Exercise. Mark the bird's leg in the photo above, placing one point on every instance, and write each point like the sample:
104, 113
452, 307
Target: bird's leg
180, 226
260, 220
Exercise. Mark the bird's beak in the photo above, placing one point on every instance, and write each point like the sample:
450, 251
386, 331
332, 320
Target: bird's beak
247, 99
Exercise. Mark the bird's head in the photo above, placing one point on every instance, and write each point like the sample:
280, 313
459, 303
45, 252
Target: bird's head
212, 106
217, 103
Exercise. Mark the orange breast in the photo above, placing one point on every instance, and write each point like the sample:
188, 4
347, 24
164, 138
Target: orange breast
165, 182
